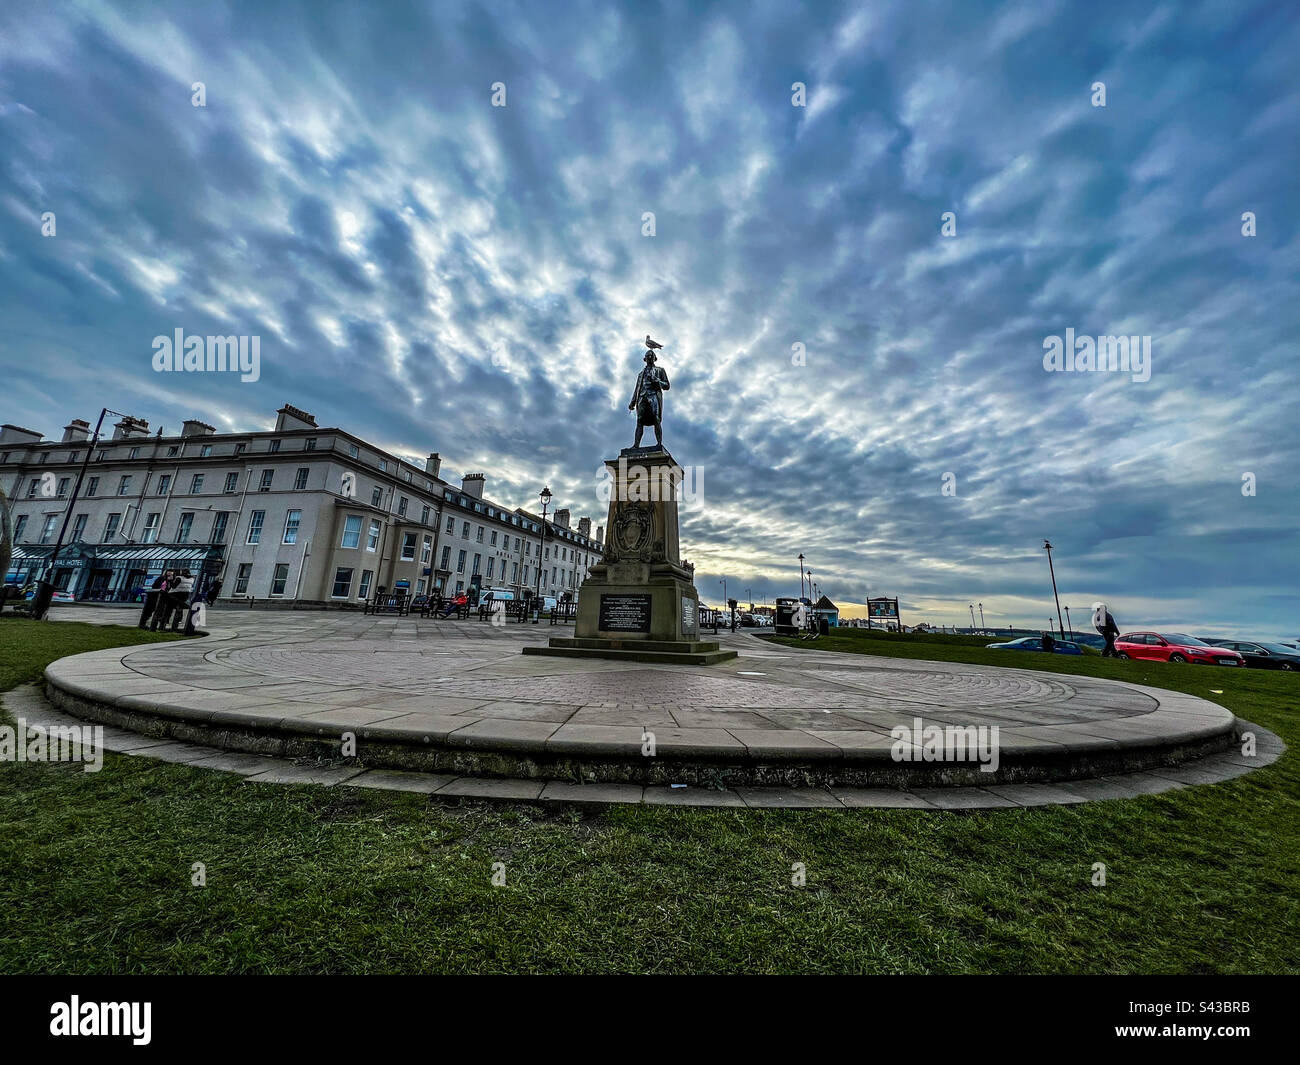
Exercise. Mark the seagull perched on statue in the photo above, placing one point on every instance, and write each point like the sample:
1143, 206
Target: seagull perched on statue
651, 344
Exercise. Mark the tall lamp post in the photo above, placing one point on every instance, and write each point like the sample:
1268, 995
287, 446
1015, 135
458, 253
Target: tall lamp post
1047, 546
541, 551
1069, 623
801, 575
44, 589
972, 617
981, 615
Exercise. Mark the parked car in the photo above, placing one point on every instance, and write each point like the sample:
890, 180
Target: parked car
1174, 647
1258, 655
1035, 643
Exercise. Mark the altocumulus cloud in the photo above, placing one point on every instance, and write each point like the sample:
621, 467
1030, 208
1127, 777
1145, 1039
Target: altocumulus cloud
435, 273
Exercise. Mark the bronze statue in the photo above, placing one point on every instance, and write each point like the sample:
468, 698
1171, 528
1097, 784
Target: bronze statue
648, 399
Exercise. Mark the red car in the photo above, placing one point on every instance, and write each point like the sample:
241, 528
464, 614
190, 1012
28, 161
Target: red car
1175, 647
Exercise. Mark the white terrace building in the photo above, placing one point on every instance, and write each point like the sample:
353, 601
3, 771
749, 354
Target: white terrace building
299, 515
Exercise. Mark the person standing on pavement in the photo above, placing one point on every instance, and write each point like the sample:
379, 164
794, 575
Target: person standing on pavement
180, 599
151, 597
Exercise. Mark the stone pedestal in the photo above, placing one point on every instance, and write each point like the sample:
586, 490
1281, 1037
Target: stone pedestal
639, 602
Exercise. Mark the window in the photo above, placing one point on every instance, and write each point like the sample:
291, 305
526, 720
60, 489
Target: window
408, 547
424, 516
491, 563
150, 535
205, 451
110, 527
464, 531
446, 558
45, 457
239, 448
460, 563
275, 446
219, 522
20, 526
310, 445
291, 522
372, 540
478, 561
173, 451
241, 578
33, 488
516, 544
514, 573
79, 528
124, 485
383, 465
419, 586
352, 450
351, 531
196, 484
377, 497
279, 578
232, 482
426, 553
92, 487
255, 520
265, 485
401, 505
478, 535
300, 479
494, 537
183, 530
367, 575
451, 525
342, 582
134, 453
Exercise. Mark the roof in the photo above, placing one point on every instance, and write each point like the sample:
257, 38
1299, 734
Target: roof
825, 604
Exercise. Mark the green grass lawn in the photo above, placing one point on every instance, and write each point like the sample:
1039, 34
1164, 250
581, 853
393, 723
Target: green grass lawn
95, 869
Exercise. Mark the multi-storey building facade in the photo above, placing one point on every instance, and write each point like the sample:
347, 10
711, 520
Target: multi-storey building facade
299, 515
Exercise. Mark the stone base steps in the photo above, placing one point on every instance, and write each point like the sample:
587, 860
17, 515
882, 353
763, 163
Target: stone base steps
29, 704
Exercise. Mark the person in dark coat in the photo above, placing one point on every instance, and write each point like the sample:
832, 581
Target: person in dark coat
214, 590
1104, 623
151, 597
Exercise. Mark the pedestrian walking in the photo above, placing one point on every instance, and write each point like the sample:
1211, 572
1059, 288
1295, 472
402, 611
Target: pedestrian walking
1104, 623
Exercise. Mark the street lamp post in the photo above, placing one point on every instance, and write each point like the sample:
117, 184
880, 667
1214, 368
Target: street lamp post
541, 552
801, 575
1047, 546
972, 617
1069, 623
981, 615
44, 589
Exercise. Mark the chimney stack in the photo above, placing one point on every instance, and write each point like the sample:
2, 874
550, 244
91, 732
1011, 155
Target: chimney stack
584, 527
288, 417
16, 434
130, 428
472, 484
600, 534
193, 427
562, 518
76, 431
433, 464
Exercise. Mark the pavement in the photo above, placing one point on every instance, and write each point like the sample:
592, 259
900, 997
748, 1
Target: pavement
773, 727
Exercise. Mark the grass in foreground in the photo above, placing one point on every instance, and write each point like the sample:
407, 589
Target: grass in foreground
95, 871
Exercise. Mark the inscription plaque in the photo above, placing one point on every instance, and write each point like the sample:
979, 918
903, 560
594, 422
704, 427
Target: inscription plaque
624, 613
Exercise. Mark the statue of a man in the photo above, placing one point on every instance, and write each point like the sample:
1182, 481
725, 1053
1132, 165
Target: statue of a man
648, 399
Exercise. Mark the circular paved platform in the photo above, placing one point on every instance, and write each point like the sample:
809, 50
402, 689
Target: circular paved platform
459, 698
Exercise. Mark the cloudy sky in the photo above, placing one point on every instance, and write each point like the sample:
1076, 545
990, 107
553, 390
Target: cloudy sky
432, 272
